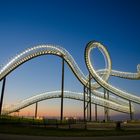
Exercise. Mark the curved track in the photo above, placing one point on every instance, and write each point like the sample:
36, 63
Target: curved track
101, 76
102, 82
70, 95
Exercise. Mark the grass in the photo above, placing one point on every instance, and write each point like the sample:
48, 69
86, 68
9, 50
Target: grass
24, 126
37, 131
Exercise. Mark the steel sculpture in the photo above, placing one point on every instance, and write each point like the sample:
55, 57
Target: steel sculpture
100, 76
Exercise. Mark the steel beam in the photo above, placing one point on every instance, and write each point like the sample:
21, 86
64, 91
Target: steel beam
62, 88
84, 111
90, 97
2, 94
106, 110
87, 105
108, 117
130, 107
36, 109
96, 113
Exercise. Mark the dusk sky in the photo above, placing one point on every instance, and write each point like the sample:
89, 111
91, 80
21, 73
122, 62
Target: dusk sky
70, 24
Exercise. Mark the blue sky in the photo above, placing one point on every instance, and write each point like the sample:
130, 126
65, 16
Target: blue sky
70, 24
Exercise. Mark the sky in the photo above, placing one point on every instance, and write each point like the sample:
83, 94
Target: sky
70, 24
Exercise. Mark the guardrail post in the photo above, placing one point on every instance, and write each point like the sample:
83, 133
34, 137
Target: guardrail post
2, 94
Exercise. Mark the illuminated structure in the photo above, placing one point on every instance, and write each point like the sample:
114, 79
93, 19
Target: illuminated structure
123, 107
90, 89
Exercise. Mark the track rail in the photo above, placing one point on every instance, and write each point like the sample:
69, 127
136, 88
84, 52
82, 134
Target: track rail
67, 94
102, 82
101, 76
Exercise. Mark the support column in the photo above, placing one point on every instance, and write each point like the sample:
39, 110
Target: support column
130, 107
87, 109
96, 113
108, 117
90, 97
62, 89
87, 100
36, 109
106, 110
2, 94
84, 110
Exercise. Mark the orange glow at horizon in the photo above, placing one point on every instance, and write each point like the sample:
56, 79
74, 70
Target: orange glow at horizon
55, 111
